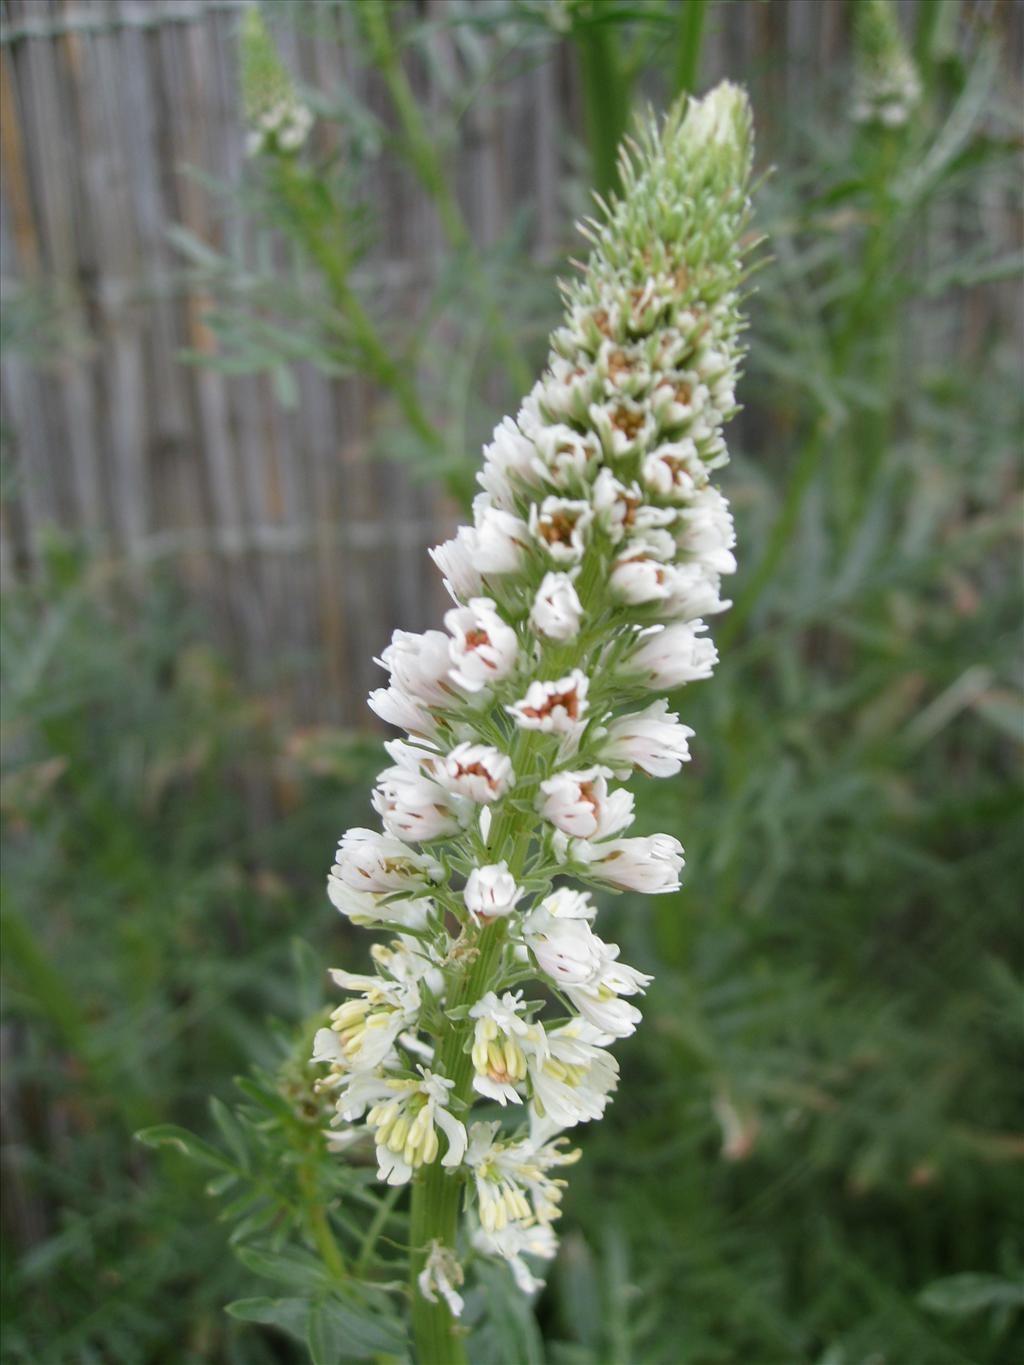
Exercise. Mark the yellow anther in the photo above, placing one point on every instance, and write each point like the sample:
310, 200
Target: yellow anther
515, 1062
496, 1058
350, 1013
430, 1146
398, 1133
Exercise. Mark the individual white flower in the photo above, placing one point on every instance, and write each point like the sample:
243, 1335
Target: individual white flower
580, 804
621, 509
511, 1177
498, 1058
598, 999
624, 369
396, 707
556, 612
406, 1119
357, 1090
483, 649
411, 806
718, 371
571, 1077
639, 577
564, 457
419, 666
509, 462
294, 130
674, 470
500, 540
565, 392
491, 893
566, 948
406, 959
566, 902
556, 707
515, 1241
624, 426
586, 328
368, 861
583, 966
561, 525
652, 740
479, 772
705, 529
694, 590
669, 656
442, 1273
367, 1027
327, 1047
459, 565
678, 399
648, 304
366, 908
651, 865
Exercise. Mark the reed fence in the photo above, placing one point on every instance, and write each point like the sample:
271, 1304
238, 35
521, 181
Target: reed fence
299, 547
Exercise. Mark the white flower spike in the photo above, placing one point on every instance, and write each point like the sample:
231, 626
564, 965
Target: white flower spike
597, 551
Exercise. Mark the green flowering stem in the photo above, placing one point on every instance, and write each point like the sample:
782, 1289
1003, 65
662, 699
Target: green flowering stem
691, 39
330, 256
435, 1193
435, 1215
429, 169
319, 1226
605, 100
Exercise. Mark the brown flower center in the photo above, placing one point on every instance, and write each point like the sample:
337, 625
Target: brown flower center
557, 528
569, 700
475, 770
628, 422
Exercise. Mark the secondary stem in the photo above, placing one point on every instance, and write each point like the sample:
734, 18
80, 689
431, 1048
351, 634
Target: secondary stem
429, 170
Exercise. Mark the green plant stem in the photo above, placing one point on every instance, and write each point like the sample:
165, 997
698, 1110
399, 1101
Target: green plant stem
320, 1227
429, 170
332, 259
691, 39
606, 95
435, 1193
932, 17
374, 1231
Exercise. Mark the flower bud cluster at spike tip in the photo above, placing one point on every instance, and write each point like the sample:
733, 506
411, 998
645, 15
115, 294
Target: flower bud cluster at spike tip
277, 118
599, 545
887, 87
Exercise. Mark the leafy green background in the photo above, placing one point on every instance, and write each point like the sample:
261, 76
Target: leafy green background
814, 1155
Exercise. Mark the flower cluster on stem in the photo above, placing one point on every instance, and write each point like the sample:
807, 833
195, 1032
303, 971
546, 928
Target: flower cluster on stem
598, 549
277, 118
887, 86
